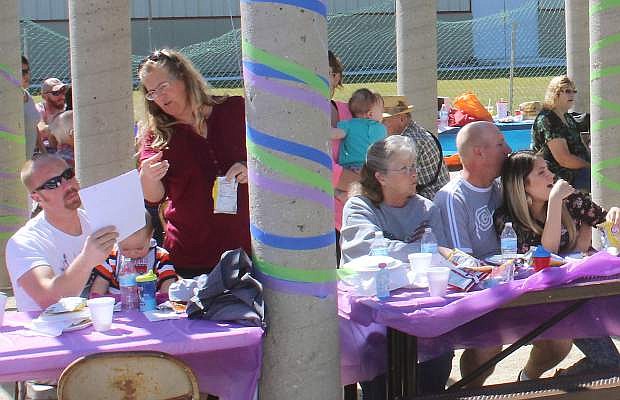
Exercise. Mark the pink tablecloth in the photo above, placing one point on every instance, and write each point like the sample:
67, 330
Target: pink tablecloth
470, 320
226, 358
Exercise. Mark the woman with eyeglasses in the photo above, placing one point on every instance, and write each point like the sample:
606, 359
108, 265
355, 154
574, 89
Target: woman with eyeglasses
549, 212
385, 200
191, 139
556, 135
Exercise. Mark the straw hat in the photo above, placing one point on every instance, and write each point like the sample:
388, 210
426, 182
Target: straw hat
530, 109
395, 105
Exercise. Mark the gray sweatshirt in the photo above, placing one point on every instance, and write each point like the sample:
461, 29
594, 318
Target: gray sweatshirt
402, 226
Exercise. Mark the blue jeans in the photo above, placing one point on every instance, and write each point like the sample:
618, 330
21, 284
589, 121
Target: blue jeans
601, 354
581, 180
432, 377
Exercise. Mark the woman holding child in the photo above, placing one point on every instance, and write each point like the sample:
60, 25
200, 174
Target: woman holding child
385, 200
553, 214
192, 139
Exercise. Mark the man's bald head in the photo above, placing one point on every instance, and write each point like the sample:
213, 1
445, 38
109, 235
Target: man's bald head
475, 134
31, 167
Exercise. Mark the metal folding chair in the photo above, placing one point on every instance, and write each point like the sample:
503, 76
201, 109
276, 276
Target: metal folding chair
135, 375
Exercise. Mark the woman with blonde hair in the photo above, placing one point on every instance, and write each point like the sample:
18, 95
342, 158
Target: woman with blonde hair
191, 139
556, 135
549, 213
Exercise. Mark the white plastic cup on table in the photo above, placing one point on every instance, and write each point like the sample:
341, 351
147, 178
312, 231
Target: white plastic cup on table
420, 263
101, 311
3, 298
438, 280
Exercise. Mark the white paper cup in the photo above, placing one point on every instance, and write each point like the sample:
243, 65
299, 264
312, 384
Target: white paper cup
438, 280
419, 263
3, 298
101, 310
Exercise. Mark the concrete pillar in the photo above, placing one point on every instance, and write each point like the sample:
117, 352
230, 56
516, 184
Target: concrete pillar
577, 52
100, 41
12, 139
416, 58
287, 117
605, 102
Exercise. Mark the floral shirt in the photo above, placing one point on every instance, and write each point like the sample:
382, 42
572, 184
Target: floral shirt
548, 126
580, 207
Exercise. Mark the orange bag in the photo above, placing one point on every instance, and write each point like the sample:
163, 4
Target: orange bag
469, 103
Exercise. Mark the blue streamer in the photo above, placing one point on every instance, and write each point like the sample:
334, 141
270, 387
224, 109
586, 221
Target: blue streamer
312, 5
293, 243
263, 70
288, 147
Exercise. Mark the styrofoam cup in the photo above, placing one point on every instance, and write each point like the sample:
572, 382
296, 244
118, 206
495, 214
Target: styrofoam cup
3, 298
438, 280
101, 311
419, 263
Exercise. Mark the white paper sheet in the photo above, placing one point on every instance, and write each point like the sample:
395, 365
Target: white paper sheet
118, 201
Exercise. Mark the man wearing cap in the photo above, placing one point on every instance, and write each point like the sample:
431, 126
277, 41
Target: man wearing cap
431, 170
53, 95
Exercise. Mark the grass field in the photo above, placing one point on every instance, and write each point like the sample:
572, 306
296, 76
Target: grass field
525, 89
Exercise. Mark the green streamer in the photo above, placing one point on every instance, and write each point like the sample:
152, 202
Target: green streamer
289, 169
603, 5
295, 274
597, 169
608, 41
11, 219
286, 66
12, 137
603, 72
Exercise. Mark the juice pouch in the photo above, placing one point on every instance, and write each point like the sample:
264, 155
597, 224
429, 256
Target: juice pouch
610, 235
225, 196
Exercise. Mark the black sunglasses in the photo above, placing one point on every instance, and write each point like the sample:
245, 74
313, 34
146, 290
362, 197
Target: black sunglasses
56, 181
57, 92
25, 71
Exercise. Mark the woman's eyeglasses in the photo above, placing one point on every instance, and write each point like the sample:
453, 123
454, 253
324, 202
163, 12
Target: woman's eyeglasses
568, 91
153, 94
56, 181
408, 169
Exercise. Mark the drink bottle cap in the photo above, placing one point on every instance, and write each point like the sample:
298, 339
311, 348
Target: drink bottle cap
149, 276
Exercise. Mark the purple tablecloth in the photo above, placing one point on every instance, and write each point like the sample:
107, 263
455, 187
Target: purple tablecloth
226, 358
463, 320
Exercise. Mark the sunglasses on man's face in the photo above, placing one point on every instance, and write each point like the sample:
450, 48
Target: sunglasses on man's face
56, 181
56, 92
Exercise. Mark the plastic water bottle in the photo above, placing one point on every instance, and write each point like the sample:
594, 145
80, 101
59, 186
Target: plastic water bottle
127, 283
429, 242
443, 118
508, 242
379, 245
382, 280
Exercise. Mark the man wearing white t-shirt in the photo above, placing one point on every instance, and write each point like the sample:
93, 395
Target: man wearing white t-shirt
467, 205
53, 255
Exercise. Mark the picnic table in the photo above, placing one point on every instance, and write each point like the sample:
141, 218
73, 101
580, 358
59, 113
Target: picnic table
226, 358
579, 299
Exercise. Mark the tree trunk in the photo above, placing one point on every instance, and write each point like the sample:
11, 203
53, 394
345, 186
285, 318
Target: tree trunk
605, 102
577, 43
100, 38
416, 58
12, 139
287, 116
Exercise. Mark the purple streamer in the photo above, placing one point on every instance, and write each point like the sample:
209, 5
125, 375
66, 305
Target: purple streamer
13, 210
10, 78
290, 189
8, 175
322, 290
289, 92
